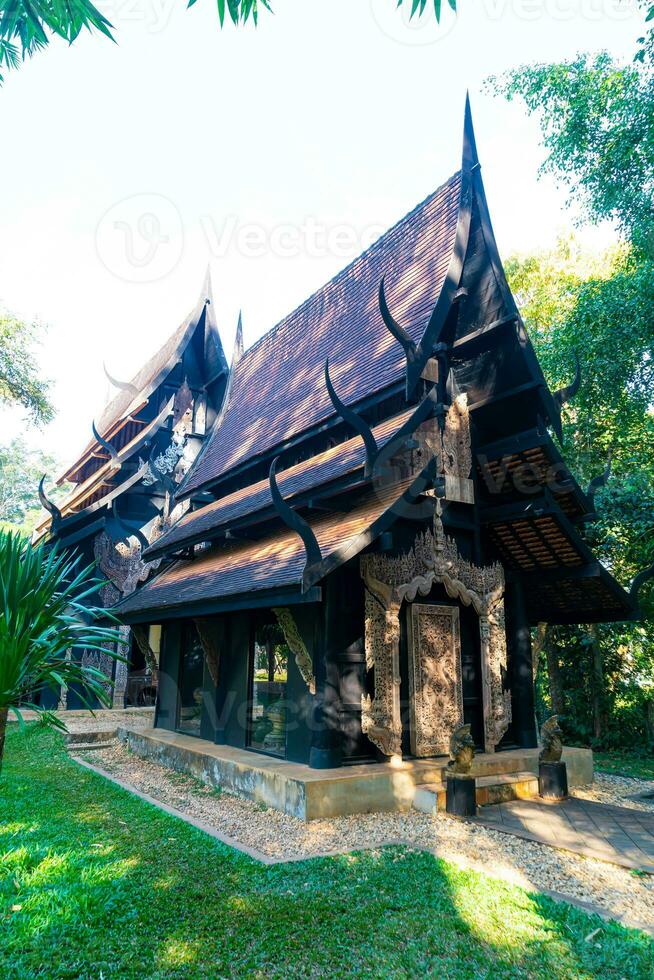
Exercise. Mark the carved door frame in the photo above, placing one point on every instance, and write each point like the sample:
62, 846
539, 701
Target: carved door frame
391, 580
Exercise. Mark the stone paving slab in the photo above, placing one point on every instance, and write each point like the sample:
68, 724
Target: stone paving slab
608, 833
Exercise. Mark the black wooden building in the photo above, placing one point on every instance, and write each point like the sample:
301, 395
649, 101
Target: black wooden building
379, 515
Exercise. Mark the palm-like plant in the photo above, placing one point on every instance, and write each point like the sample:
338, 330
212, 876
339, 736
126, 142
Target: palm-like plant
44, 612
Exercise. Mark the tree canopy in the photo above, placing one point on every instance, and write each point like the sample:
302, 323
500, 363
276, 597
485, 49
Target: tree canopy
20, 382
26, 26
21, 469
597, 123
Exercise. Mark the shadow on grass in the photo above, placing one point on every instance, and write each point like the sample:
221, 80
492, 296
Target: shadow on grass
96, 881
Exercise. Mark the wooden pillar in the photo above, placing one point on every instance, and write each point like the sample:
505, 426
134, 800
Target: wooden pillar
325, 719
168, 690
518, 635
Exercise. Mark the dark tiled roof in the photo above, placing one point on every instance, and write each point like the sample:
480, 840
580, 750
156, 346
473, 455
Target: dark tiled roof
278, 389
253, 566
307, 475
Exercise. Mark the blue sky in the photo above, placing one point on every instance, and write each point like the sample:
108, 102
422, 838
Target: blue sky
272, 155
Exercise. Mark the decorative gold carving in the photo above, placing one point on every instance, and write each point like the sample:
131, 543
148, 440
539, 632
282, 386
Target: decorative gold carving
122, 565
380, 716
457, 444
435, 681
205, 633
141, 636
434, 558
297, 646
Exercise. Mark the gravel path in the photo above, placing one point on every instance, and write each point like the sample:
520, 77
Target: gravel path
533, 866
618, 791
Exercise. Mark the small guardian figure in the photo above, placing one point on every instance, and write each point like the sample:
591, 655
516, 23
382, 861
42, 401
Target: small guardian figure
551, 741
552, 771
462, 750
461, 785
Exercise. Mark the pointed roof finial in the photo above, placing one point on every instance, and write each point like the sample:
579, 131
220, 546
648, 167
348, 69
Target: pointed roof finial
470, 159
238, 341
207, 292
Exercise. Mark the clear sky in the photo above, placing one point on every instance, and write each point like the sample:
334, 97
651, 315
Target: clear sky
273, 155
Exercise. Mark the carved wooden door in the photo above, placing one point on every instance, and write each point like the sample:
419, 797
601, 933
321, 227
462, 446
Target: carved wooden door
435, 688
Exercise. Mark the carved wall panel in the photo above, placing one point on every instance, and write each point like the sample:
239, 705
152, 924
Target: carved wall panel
391, 580
381, 720
205, 630
297, 646
435, 681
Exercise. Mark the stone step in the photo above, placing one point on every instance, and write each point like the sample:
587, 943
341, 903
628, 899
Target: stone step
500, 788
90, 746
73, 739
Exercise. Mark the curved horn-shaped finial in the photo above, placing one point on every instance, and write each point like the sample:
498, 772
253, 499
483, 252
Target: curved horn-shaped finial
113, 454
121, 385
48, 505
128, 529
640, 580
564, 395
358, 424
293, 520
398, 331
598, 482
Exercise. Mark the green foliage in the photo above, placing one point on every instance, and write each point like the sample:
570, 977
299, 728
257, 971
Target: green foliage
20, 383
95, 882
21, 469
597, 122
599, 306
45, 611
635, 765
239, 11
30, 23
420, 6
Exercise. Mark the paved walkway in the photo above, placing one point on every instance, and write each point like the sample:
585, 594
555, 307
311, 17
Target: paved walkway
609, 833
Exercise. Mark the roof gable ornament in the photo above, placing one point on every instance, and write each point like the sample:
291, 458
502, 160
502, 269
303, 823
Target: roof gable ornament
121, 385
238, 341
49, 505
639, 582
431, 342
564, 395
598, 482
296, 523
113, 453
356, 421
128, 529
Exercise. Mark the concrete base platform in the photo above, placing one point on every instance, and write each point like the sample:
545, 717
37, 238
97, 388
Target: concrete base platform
312, 794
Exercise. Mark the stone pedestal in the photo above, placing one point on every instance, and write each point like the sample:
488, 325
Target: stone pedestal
553, 780
460, 798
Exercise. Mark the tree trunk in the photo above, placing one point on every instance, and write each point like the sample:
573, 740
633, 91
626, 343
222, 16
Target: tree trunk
538, 645
598, 683
4, 712
649, 721
554, 674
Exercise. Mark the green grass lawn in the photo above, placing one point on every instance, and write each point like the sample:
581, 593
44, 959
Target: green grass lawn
95, 883
625, 763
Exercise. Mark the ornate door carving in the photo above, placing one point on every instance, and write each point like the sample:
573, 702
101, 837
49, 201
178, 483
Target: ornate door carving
392, 580
435, 683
